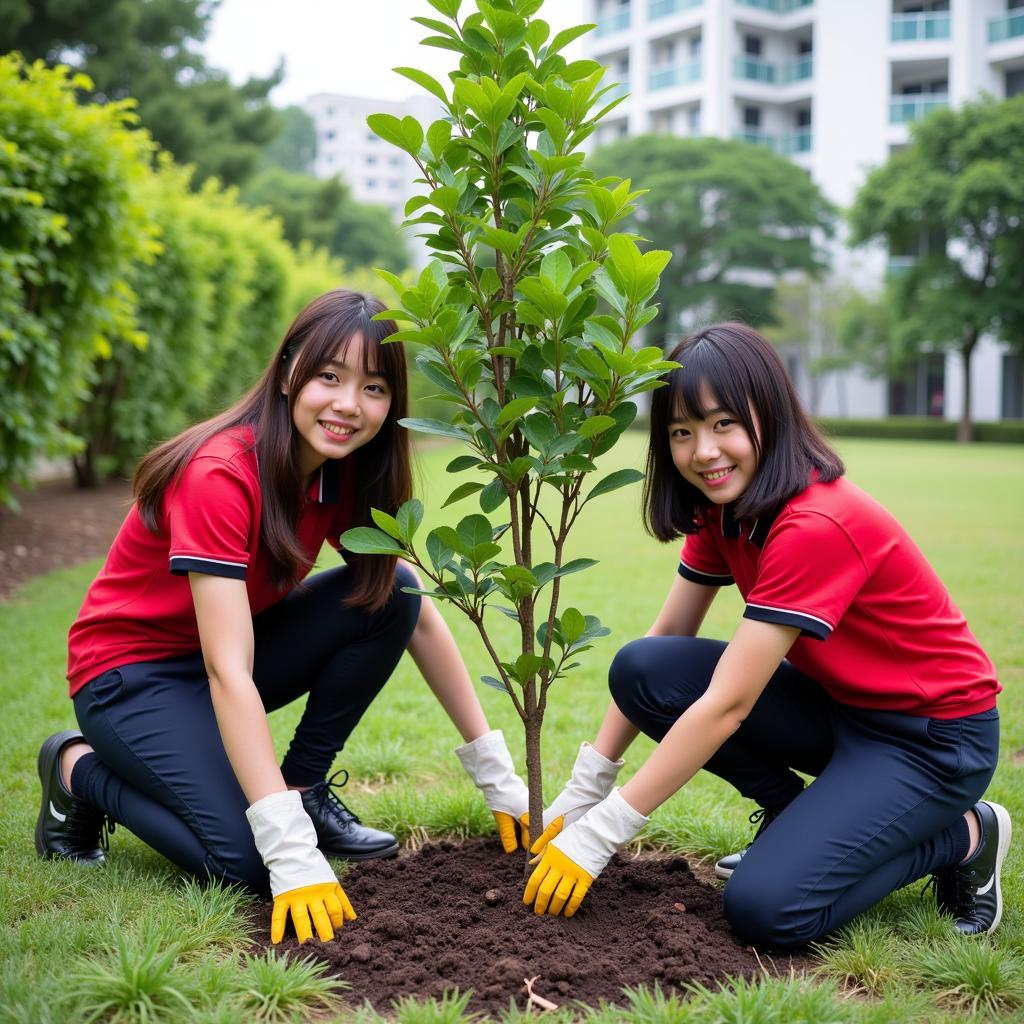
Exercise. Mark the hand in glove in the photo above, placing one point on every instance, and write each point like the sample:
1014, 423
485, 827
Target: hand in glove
489, 764
592, 779
572, 861
302, 883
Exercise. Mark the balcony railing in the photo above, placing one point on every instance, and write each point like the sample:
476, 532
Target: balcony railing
904, 109
796, 142
778, 6
797, 70
754, 69
612, 23
663, 8
674, 74
1000, 29
899, 265
906, 28
756, 137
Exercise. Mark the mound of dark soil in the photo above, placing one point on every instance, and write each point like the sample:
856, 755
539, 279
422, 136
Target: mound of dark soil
451, 916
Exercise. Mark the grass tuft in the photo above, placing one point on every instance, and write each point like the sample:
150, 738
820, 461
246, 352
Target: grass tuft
275, 988
865, 956
449, 1009
973, 974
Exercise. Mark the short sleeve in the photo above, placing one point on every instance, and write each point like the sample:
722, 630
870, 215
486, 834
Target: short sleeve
701, 561
210, 515
809, 573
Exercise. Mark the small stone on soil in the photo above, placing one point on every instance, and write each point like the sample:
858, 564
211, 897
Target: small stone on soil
492, 897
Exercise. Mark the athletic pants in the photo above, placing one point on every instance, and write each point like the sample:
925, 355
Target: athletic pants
160, 768
885, 808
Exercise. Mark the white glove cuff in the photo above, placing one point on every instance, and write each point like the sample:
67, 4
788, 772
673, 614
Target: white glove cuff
286, 840
593, 840
489, 764
595, 765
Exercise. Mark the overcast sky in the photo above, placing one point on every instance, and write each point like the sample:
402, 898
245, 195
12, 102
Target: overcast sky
345, 46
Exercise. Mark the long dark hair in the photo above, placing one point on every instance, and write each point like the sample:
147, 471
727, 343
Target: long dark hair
744, 374
381, 471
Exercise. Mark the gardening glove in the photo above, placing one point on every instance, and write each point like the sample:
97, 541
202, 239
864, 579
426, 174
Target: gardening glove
593, 776
489, 764
302, 883
572, 861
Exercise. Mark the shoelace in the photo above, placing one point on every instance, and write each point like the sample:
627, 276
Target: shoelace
82, 824
762, 818
323, 793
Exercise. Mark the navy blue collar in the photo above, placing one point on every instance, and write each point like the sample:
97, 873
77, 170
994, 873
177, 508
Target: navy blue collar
732, 527
325, 487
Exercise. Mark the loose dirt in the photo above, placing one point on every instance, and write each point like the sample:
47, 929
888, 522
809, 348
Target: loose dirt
450, 916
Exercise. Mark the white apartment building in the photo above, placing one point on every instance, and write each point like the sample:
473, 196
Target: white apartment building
375, 171
833, 85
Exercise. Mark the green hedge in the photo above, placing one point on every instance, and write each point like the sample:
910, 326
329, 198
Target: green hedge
922, 428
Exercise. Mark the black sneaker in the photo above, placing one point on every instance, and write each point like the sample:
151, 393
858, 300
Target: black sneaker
338, 831
67, 828
971, 891
762, 817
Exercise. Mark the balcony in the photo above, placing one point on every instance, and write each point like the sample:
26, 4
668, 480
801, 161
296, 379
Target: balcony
754, 69
795, 142
617, 89
908, 28
776, 6
899, 265
1009, 27
797, 70
612, 23
674, 74
663, 8
904, 109
756, 138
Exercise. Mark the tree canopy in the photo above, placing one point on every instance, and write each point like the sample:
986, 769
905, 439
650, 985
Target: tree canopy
146, 49
958, 181
736, 218
324, 213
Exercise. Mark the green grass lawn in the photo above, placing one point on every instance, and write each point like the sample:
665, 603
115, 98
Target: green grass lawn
133, 942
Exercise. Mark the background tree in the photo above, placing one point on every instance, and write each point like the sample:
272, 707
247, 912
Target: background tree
295, 146
323, 212
736, 217
959, 179
147, 49
507, 327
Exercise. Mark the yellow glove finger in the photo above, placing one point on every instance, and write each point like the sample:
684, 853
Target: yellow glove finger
562, 892
524, 825
581, 890
300, 919
278, 920
334, 908
533, 882
548, 834
346, 906
507, 831
321, 920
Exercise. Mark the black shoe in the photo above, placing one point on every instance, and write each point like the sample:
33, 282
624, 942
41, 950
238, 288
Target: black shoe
67, 828
762, 817
338, 831
971, 891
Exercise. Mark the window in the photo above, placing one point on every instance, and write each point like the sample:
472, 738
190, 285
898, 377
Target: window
695, 45
393, 161
1015, 81
371, 160
920, 391
693, 120
371, 182
752, 117
803, 118
370, 137
328, 136
1013, 387
329, 111
752, 46
804, 47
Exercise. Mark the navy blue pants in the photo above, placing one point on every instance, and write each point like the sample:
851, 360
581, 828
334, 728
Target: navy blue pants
159, 766
885, 808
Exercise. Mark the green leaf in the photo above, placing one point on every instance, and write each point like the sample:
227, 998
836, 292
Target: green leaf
463, 462
528, 665
422, 79
566, 36
516, 408
437, 551
409, 517
450, 539
576, 565
496, 683
474, 531
387, 523
462, 491
572, 624
365, 540
438, 427
493, 495
620, 478
595, 425
387, 127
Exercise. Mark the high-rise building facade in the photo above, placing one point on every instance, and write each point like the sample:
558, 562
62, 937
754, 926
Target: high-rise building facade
833, 85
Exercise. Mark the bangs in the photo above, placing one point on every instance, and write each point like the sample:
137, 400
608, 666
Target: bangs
706, 368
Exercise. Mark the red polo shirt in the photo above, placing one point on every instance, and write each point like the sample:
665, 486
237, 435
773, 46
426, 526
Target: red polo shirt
877, 627
140, 607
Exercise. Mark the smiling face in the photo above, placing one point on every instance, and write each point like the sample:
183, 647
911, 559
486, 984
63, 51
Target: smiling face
340, 408
714, 453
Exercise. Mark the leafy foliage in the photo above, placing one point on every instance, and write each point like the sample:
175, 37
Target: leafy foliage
524, 322
958, 185
736, 218
70, 227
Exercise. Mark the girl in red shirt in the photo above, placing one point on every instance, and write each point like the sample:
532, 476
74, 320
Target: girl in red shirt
850, 664
200, 623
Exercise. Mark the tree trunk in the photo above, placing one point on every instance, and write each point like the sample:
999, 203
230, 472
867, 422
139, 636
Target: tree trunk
965, 429
84, 467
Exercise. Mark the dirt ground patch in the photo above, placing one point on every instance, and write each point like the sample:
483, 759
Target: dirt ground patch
58, 526
451, 916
